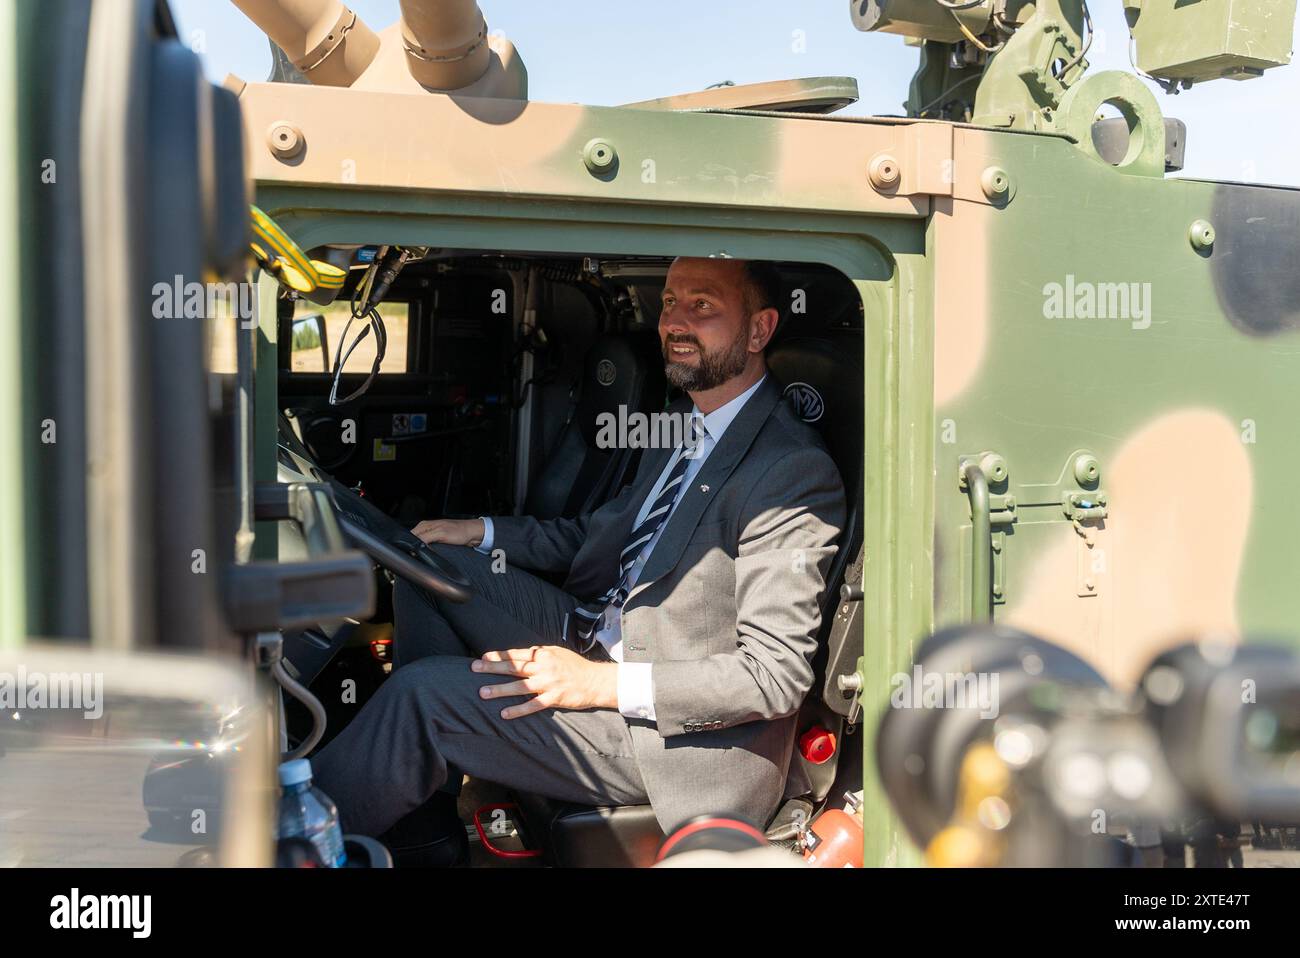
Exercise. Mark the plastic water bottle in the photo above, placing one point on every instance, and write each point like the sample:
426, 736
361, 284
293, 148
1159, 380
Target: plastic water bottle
307, 812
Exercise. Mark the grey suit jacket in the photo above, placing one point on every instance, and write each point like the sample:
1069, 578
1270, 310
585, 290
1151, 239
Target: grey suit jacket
727, 606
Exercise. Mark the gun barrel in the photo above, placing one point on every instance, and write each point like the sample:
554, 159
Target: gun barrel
327, 42
923, 19
446, 42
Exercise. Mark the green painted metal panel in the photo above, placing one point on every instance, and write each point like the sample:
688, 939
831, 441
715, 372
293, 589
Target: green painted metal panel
13, 408
265, 406
1179, 376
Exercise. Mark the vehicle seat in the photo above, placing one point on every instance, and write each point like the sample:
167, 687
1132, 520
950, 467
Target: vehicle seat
822, 377
620, 369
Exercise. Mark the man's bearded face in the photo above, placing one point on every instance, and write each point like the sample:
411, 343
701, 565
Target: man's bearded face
692, 368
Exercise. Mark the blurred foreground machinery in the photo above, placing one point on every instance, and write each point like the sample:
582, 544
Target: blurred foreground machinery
1003, 749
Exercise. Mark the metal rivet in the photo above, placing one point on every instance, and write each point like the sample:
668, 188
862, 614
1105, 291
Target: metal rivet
994, 466
884, 173
996, 183
285, 140
1086, 469
599, 156
1201, 235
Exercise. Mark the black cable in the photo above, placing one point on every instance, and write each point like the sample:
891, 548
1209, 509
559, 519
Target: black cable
364, 304
376, 323
1087, 22
960, 83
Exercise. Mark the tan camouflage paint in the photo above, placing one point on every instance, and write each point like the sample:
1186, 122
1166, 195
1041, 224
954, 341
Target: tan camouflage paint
1178, 407
1161, 572
481, 145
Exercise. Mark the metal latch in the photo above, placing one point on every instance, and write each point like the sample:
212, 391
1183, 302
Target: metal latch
1002, 515
1085, 510
851, 683
1002, 510
1083, 506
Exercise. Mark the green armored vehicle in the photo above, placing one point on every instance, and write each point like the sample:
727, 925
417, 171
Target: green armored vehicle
1057, 383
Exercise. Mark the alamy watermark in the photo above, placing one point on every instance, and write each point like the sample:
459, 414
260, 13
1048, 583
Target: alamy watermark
75, 911
945, 690
1080, 299
181, 300
23, 691
657, 430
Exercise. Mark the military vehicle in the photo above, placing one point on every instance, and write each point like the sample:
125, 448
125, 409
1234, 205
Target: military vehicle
1058, 383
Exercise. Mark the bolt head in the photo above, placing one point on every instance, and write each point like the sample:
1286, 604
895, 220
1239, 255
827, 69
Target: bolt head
996, 183
885, 173
285, 140
599, 155
1201, 235
1086, 469
994, 466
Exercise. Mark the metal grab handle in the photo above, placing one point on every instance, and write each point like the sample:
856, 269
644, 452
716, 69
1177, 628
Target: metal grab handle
981, 538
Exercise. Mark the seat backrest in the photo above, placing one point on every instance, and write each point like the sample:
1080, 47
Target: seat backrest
620, 370
822, 379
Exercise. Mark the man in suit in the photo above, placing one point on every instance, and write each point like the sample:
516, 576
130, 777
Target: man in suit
670, 667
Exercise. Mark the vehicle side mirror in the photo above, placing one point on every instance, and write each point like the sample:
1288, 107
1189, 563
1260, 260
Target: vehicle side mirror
307, 339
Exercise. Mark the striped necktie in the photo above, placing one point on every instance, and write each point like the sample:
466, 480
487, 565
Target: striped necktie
582, 624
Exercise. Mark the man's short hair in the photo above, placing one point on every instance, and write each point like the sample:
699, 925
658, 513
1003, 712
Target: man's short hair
762, 287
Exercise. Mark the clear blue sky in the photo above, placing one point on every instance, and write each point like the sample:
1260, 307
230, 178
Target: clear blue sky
618, 51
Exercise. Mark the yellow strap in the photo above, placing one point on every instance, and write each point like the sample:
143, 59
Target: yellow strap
279, 243
331, 277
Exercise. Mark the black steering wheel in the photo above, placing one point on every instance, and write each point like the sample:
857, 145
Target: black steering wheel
396, 548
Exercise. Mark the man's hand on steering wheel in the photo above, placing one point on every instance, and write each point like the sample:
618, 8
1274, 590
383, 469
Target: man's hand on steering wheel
453, 532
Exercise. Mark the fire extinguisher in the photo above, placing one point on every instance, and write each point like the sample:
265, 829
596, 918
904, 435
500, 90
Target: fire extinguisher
834, 839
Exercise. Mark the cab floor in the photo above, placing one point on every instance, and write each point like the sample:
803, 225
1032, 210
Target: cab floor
477, 794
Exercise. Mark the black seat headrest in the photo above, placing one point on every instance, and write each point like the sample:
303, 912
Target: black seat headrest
822, 380
624, 369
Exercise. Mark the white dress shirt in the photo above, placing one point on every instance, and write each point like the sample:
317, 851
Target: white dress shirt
635, 683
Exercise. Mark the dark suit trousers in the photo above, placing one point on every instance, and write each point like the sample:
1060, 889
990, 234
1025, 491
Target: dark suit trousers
428, 714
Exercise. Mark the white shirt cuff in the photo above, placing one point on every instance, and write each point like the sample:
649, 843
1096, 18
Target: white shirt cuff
485, 546
636, 691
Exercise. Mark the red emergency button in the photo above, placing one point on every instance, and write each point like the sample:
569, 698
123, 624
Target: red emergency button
817, 745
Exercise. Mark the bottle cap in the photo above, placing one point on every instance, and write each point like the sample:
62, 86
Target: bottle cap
295, 772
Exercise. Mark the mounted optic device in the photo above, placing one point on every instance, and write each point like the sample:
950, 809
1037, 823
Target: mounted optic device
1009, 63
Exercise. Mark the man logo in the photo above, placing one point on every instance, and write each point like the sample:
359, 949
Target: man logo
605, 372
805, 401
